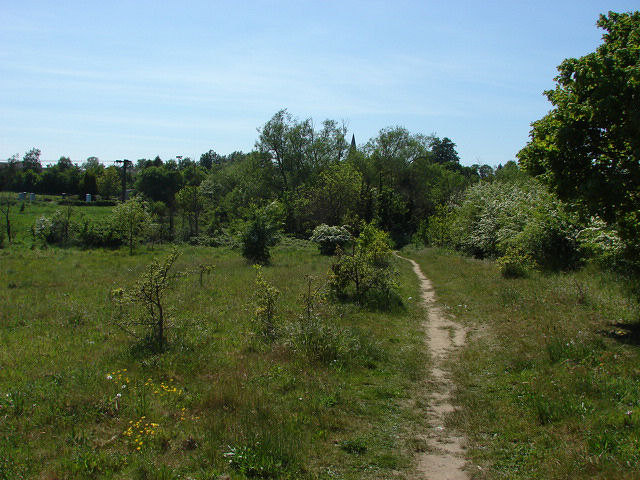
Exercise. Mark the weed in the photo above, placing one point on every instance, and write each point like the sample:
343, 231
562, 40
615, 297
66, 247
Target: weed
265, 297
356, 446
261, 460
65, 419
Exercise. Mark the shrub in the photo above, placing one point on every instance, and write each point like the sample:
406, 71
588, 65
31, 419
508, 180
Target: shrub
366, 274
515, 264
315, 337
100, 233
601, 242
329, 238
132, 219
57, 230
259, 236
375, 244
265, 297
322, 341
493, 218
41, 230
149, 321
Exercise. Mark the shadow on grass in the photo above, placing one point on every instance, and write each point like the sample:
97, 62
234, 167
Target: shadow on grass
624, 332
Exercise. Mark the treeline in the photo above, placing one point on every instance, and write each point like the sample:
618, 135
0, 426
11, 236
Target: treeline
308, 175
300, 177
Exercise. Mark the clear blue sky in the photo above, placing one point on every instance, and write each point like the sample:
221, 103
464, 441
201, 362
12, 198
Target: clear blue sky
137, 79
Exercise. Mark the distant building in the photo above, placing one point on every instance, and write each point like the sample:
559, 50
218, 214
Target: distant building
353, 147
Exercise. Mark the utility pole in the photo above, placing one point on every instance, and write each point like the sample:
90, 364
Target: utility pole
125, 163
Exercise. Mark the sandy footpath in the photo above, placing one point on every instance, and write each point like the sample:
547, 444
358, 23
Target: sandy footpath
444, 458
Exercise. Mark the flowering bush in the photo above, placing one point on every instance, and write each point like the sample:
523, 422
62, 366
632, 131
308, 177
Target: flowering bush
601, 242
329, 238
495, 218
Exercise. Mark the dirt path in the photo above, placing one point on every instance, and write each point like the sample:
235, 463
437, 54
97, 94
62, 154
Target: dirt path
444, 458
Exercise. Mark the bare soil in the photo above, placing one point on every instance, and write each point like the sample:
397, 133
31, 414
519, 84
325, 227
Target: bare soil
444, 457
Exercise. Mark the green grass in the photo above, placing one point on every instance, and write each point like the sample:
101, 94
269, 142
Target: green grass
22, 218
548, 385
77, 395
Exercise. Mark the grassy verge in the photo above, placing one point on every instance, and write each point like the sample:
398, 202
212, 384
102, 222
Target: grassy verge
549, 382
79, 399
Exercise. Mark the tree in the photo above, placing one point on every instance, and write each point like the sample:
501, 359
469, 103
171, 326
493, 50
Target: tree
132, 219
64, 163
191, 200
161, 185
261, 233
9, 173
31, 161
587, 148
5, 209
209, 159
444, 151
335, 194
93, 164
109, 182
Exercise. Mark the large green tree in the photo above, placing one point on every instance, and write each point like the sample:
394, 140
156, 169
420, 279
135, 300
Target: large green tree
109, 182
588, 146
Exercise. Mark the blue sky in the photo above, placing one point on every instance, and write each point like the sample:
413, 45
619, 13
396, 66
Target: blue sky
144, 78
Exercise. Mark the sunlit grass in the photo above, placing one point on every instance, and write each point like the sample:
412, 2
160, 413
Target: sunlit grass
548, 383
79, 398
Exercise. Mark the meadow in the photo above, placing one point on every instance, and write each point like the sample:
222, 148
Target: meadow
80, 398
547, 384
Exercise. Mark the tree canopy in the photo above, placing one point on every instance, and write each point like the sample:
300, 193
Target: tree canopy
588, 146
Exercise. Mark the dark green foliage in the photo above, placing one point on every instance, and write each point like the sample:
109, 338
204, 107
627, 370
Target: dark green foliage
100, 233
259, 236
588, 148
444, 151
159, 183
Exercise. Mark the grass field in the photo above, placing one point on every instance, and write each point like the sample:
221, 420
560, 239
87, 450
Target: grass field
549, 382
24, 214
78, 399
